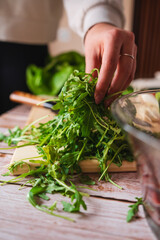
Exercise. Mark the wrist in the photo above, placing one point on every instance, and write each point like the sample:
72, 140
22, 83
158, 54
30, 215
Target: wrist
98, 28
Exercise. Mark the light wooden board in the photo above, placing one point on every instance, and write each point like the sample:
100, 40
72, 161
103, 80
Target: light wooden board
29, 152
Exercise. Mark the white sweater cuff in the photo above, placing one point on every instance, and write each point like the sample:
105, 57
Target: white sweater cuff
99, 14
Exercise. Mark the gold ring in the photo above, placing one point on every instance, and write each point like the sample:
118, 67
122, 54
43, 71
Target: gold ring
128, 55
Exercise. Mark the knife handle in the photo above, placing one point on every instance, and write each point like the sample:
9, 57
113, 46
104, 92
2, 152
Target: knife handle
26, 98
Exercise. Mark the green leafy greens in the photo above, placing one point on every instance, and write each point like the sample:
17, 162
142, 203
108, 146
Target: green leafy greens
81, 130
48, 80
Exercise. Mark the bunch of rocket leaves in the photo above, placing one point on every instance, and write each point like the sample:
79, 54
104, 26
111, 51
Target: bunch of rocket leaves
81, 130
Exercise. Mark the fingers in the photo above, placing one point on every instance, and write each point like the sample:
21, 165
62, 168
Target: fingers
104, 44
92, 61
124, 75
94, 46
125, 72
109, 63
131, 77
115, 71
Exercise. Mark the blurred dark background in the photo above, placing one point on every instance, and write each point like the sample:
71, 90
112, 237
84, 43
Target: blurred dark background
146, 27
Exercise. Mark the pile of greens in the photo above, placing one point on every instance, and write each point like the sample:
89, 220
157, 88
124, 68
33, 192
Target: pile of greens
81, 130
49, 80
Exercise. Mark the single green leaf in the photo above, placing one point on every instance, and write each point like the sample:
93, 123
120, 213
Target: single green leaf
134, 209
68, 207
2, 137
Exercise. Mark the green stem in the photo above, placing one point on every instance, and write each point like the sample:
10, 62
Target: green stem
94, 115
25, 129
115, 184
45, 139
123, 146
19, 146
102, 137
80, 153
54, 214
70, 189
64, 185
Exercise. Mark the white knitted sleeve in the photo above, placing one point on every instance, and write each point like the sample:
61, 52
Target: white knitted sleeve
83, 14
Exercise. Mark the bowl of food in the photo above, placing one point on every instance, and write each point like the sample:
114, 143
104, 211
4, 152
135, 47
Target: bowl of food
138, 114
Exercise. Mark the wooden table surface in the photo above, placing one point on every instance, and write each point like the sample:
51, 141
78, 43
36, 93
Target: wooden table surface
105, 217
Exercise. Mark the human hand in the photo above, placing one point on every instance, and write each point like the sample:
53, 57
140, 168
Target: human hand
105, 45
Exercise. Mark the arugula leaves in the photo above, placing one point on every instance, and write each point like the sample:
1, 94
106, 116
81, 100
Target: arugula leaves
81, 130
12, 137
40, 190
134, 209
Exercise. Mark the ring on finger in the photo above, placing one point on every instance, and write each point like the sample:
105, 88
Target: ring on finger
127, 55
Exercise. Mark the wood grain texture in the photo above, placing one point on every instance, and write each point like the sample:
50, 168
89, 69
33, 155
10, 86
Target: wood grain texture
128, 181
4, 162
15, 117
104, 219
88, 166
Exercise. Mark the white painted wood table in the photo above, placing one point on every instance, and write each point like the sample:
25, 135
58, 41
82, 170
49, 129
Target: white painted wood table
105, 217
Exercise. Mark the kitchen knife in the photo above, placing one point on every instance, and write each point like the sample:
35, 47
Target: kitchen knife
30, 99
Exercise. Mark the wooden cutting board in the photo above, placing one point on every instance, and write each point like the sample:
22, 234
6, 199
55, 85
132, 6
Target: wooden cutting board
30, 152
